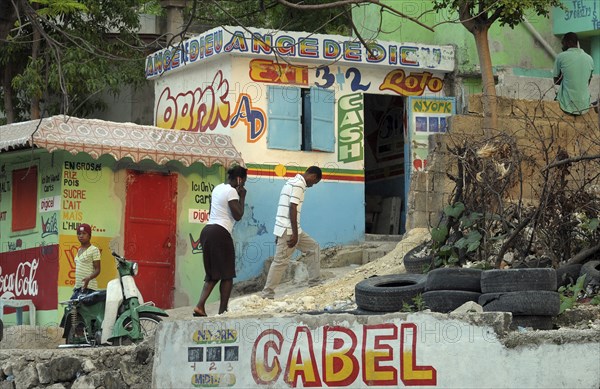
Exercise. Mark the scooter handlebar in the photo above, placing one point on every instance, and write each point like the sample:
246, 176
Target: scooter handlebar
118, 257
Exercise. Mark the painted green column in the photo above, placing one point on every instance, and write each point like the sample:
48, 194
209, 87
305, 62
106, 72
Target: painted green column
595, 53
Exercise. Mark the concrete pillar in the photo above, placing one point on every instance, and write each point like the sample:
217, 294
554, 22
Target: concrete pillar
175, 21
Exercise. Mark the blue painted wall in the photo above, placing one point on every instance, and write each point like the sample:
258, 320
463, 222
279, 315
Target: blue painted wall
328, 216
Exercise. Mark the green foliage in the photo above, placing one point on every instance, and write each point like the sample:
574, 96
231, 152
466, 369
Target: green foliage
507, 12
418, 304
457, 219
273, 15
58, 7
87, 49
570, 293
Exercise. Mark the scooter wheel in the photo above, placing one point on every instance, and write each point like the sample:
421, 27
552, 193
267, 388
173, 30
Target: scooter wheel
148, 324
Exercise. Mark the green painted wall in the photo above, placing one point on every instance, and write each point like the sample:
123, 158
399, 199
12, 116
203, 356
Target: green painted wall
85, 190
511, 48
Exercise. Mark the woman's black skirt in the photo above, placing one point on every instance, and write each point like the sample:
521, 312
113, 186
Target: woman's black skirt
219, 253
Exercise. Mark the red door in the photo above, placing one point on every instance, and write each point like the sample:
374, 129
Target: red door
150, 220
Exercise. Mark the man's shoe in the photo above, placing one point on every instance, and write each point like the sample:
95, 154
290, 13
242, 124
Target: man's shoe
267, 295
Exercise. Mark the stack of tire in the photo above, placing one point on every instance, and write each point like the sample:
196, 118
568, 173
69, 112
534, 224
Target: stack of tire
529, 294
448, 288
416, 262
389, 293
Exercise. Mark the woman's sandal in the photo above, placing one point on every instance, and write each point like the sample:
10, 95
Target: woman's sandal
198, 314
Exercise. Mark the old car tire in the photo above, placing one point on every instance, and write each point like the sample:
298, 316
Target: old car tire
534, 321
454, 278
527, 302
388, 293
448, 300
416, 263
591, 270
567, 274
514, 280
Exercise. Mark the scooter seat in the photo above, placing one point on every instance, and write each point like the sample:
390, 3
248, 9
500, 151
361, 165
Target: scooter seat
93, 298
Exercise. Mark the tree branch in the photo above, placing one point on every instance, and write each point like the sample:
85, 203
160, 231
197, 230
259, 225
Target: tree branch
341, 3
571, 160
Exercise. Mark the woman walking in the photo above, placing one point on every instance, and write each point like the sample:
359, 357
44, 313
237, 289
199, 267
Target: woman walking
227, 207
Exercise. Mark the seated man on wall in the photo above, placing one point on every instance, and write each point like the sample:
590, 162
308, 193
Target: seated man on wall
573, 72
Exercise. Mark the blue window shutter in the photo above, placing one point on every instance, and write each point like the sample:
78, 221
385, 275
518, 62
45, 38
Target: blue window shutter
285, 110
322, 121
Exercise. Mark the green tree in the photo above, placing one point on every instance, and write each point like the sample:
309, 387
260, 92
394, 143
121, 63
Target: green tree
64, 53
477, 16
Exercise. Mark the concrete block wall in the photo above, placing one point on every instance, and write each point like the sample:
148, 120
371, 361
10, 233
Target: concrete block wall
535, 124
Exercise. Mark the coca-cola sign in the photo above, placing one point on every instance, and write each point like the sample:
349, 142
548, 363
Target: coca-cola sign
31, 274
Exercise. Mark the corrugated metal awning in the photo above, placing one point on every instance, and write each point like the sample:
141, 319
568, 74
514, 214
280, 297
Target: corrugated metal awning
120, 140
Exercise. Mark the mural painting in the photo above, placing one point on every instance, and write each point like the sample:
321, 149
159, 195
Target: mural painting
30, 274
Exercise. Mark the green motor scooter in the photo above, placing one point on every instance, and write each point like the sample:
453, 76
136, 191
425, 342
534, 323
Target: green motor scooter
115, 316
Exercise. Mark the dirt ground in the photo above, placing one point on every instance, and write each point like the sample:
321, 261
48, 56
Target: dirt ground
336, 293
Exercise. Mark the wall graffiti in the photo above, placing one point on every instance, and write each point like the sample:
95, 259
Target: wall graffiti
197, 110
578, 11
49, 226
254, 118
263, 70
411, 85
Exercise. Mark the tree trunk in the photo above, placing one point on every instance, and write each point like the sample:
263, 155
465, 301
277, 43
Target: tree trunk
35, 50
9, 109
8, 16
490, 105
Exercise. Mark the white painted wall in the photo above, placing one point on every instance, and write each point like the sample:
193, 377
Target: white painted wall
344, 350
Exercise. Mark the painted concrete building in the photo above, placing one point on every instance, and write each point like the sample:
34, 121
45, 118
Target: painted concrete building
290, 100
522, 57
145, 191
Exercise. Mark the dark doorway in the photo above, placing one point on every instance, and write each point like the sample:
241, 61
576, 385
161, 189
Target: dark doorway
384, 164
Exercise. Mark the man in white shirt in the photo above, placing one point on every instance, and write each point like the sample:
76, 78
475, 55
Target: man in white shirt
289, 233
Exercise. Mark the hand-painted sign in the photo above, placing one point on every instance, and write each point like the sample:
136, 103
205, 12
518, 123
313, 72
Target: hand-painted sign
30, 274
287, 353
350, 128
411, 85
263, 70
265, 43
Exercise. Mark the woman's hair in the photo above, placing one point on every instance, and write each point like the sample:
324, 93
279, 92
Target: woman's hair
237, 171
